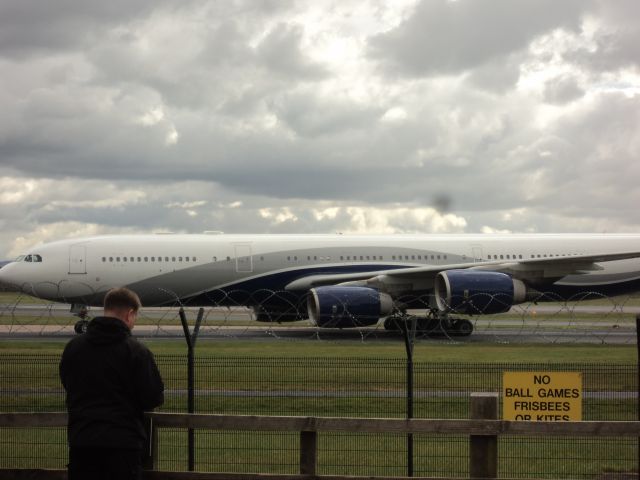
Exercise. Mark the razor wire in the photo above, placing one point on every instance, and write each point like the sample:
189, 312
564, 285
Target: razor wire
586, 317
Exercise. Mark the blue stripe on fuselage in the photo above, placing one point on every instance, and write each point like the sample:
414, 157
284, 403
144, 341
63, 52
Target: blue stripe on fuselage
270, 288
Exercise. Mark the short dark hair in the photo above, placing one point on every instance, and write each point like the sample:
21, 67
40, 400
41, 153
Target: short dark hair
121, 299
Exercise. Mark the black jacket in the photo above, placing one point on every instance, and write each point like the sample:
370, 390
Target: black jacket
110, 379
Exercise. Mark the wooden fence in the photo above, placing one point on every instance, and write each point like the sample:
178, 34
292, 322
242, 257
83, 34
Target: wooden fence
483, 431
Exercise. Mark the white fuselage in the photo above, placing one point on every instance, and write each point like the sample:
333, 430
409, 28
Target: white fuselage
168, 268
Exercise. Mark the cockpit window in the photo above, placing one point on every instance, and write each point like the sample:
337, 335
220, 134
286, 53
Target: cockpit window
33, 258
20, 258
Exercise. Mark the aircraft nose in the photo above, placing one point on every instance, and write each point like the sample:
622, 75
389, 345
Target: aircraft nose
5, 274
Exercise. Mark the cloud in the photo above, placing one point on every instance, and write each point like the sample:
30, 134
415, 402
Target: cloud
291, 117
562, 89
444, 37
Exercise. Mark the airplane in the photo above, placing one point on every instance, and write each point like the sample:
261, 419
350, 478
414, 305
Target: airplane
336, 281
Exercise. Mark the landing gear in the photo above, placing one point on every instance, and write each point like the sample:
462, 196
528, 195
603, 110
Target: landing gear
435, 323
81, 311
462, 327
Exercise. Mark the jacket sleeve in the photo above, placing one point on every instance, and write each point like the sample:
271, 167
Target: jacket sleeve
149, 385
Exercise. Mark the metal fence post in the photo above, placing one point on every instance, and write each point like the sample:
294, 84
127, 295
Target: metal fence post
409, 330
483, 449
191, 344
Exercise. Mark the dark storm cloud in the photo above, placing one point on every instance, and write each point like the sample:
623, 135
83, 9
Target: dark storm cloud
31, 26
449, 37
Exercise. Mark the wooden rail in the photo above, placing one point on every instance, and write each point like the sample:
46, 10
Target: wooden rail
483, 433
339, 424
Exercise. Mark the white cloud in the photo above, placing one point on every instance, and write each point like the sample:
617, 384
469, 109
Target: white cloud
15, 191
356, 116
402, 220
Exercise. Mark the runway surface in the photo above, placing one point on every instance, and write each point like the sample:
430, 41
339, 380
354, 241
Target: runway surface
524, 324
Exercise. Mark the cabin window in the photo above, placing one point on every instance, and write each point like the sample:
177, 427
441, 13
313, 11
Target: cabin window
124, 259
438, 257
111, 259
173, 259
179, 259
186, 259
104, 259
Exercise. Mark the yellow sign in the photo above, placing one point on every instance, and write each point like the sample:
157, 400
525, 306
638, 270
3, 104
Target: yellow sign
542, 396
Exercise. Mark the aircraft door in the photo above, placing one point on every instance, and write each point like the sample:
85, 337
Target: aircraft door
476, 253
78, 259
244, 261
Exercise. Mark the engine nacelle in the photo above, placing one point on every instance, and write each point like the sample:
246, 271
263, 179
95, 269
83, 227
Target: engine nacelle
477, 292
345, 307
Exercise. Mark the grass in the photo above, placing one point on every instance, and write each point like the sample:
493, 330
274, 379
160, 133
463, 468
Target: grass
424, 350
352, 374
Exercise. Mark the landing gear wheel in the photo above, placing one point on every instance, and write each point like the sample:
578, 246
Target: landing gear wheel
81, 326
462, 328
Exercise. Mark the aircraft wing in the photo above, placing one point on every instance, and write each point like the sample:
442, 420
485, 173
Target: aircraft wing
422, 278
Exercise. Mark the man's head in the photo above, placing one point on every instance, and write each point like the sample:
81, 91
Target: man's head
122, 303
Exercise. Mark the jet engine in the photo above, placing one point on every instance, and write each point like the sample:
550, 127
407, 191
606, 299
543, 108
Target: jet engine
476, 292
345, 307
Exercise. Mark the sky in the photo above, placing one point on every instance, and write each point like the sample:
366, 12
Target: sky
283, 116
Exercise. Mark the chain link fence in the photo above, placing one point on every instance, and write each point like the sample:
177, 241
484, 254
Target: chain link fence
349, 387
361, 313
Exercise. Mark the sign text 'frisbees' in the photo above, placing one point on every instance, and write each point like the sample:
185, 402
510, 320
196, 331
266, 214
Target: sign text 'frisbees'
542, 396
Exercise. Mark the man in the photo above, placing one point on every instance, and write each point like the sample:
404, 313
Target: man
110, 379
